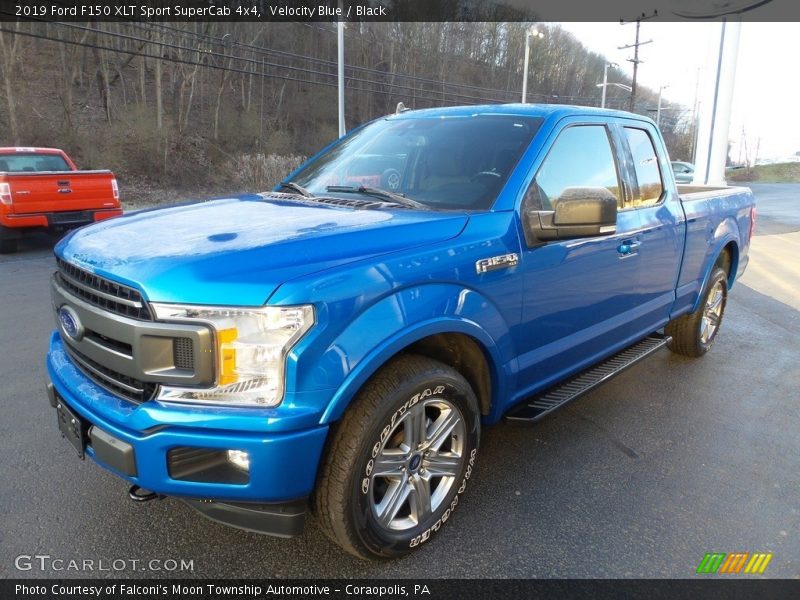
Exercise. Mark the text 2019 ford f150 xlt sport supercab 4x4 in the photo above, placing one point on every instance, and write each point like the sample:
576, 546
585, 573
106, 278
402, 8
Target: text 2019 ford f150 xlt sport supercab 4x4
337, 344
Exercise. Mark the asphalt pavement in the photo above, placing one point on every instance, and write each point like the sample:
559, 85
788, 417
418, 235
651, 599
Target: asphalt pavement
672, 459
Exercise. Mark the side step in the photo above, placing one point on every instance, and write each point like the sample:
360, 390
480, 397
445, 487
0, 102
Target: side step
542, 405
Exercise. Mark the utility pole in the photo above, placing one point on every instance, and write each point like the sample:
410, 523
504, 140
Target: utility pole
695, 108
742, 145
696, 121
635, 60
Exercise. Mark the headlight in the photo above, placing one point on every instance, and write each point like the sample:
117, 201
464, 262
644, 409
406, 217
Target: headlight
251, 349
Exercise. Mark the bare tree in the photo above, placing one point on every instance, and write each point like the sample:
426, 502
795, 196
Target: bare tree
9, 52
157, 82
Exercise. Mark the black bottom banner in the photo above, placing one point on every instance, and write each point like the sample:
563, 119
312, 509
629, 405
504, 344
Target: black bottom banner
206, 589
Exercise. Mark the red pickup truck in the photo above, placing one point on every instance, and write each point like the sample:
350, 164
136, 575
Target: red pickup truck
42, 189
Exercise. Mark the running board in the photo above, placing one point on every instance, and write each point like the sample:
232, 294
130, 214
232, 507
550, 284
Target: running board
557, 396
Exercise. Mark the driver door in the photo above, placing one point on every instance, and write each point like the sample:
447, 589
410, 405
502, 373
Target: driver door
580, 295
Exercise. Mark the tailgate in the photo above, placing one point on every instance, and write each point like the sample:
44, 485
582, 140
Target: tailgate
60, 191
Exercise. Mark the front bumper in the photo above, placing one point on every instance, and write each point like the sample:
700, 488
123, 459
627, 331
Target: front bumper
283, 465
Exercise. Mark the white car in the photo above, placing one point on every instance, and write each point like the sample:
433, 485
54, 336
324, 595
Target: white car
684, 172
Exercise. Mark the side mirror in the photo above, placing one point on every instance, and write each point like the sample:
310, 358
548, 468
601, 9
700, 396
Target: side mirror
580, 212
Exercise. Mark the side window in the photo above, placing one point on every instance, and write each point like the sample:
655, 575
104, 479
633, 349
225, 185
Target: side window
648, 174
581, 157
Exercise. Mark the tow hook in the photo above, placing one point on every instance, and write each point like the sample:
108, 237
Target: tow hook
135, 494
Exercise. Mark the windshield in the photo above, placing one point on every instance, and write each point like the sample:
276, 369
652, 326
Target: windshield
32, 162
445, 163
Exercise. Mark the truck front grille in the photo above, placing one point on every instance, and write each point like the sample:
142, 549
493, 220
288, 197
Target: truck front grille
116, 383
108, 295
117, 345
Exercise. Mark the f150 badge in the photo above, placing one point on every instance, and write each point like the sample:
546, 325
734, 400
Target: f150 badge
504, 261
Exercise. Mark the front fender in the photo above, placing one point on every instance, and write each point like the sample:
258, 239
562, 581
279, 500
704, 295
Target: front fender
407, 316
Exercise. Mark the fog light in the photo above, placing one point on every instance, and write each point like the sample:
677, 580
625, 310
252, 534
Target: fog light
239, 459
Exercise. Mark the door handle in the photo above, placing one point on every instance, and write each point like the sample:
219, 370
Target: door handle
628, 248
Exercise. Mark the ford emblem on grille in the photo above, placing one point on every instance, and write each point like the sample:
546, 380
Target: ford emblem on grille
70, 323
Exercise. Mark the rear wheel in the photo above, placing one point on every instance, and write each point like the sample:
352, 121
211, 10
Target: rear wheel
399, 460
694, 334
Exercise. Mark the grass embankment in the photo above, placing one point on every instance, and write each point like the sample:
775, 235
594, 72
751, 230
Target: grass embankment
777, 173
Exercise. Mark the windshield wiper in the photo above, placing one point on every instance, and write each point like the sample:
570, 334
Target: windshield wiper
378, 193
291, 185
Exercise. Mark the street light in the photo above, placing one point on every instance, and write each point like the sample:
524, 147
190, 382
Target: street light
340, 72
658, 110
605, 81
530, 32
627, 88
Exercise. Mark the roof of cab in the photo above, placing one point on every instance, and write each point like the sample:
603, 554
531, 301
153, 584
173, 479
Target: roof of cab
522, 110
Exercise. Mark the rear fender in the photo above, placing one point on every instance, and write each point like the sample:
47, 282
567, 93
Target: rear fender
726, 232
407, 316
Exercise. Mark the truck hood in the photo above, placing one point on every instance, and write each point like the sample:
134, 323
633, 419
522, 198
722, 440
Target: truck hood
240, 250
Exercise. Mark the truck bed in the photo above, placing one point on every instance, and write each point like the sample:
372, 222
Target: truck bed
712, 213
689, 192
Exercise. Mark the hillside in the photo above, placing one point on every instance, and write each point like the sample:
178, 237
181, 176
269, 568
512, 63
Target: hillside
777, 173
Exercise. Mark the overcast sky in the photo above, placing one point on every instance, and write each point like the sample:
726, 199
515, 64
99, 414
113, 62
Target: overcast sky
767, 92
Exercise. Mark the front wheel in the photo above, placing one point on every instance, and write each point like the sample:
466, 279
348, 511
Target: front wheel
399, 460
694, 334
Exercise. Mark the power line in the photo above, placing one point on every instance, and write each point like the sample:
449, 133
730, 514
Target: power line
441, 100
253, 61
212, 66
441, 96
265, 50
163, 44
415, 78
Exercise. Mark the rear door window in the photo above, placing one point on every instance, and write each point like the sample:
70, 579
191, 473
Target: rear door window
649, 186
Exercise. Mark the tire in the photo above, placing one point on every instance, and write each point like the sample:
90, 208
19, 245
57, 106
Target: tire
372, 507
694, 334
7, 246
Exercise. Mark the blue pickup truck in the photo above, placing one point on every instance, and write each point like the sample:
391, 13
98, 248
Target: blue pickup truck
337, 344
